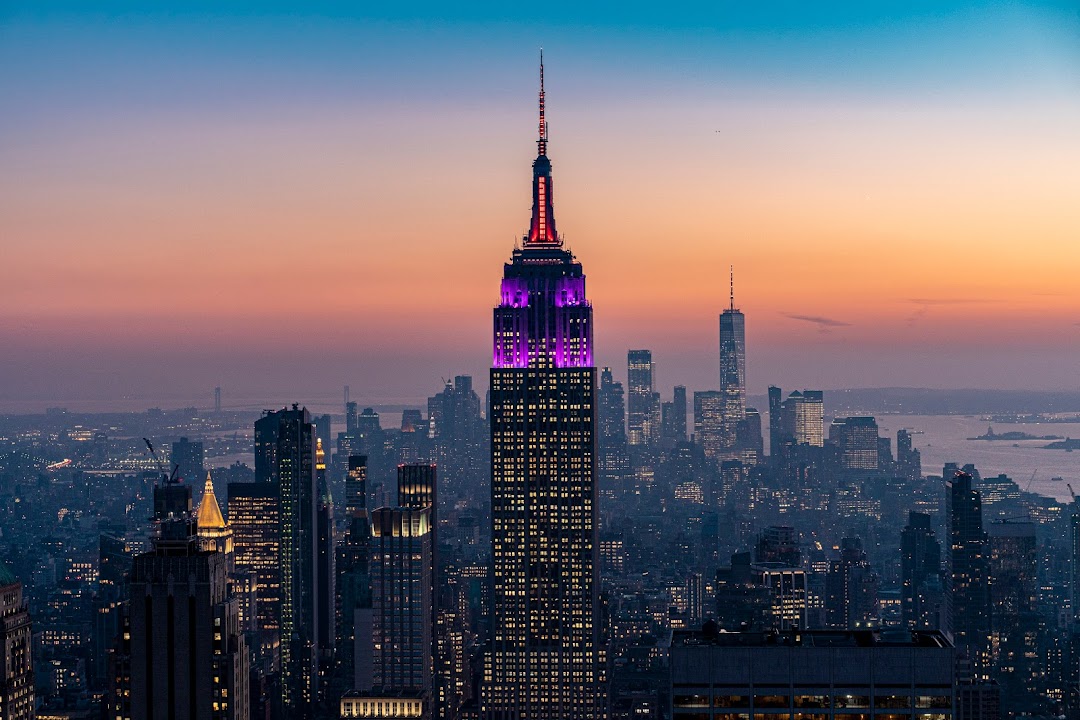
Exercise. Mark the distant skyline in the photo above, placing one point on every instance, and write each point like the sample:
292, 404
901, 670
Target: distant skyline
284, 200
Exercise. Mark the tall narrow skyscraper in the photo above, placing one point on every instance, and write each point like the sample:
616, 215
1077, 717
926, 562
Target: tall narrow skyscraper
776, 432
353, 583
544, 644
968, 571
643, 402
732, 374
286, 443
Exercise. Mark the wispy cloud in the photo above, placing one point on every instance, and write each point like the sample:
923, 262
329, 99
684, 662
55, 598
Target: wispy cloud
824, 324
947, 301
923, 305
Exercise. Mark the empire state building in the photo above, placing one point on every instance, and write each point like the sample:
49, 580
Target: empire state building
543, 659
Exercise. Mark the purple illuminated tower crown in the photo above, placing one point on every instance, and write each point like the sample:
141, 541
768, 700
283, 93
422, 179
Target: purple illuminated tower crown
543, 318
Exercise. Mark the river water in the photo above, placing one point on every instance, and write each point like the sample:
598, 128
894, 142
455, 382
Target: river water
944, 438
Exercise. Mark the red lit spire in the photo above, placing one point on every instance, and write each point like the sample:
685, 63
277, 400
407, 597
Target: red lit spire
542, 229
541, 144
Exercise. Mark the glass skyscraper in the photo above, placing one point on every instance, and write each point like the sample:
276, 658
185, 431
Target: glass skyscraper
543, 659
732, 376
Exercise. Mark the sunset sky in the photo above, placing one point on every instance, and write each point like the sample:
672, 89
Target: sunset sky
285, 199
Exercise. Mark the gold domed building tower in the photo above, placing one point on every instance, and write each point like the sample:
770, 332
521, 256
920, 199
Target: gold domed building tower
214, 533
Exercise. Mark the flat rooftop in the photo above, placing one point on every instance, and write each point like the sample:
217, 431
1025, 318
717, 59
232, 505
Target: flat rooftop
884, 637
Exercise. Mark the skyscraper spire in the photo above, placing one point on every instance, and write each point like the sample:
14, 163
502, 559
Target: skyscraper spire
541, 143
542, 231
731, 271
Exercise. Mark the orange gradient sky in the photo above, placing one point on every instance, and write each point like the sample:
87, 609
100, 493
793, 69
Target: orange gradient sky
263, 226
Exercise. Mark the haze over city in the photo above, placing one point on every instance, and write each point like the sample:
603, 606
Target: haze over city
282, 202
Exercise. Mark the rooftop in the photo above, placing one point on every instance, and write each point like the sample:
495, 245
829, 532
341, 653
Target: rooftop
887, 637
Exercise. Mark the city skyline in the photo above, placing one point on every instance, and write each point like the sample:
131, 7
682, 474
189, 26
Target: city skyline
198, 161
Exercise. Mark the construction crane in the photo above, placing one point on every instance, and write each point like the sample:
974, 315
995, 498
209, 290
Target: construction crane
1031, 480
1071, 493
168, 477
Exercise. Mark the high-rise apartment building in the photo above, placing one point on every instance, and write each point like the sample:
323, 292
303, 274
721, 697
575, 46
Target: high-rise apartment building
16, 650
544, 648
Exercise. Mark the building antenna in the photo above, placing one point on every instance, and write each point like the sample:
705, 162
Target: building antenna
541, 144
731, 271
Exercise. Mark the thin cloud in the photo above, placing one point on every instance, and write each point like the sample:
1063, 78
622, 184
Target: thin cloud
946, 301
824, 324
924, 305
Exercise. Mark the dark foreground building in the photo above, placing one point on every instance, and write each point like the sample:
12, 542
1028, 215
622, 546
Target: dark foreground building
182, 655
811, 675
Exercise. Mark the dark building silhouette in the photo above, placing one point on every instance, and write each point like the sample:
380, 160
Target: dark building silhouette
776, 433
908, 459
353, 583
326, 572
921, 593
1015, 622
967, 567
820, 674
673, 419
544, 652
851, 588
613, 460
185, 654
187, 457
748, 439
778, 544
459, 439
